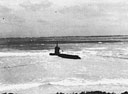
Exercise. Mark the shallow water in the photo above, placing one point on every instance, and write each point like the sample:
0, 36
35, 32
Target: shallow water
103, 66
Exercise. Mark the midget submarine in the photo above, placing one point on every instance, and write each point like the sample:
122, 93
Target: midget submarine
68, 56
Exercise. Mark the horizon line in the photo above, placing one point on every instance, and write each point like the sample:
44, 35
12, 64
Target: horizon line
65, 36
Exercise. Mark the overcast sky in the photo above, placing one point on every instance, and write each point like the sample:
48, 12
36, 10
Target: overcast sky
37, 18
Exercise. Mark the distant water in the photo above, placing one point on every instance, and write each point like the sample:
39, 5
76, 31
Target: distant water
46, 43
25, 63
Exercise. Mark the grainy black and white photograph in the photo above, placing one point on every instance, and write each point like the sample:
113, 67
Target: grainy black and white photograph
63, 46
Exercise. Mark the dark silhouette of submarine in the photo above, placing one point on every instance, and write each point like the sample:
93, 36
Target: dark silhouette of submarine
57, 53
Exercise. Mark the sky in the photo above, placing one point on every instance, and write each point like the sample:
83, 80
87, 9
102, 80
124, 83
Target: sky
39, 18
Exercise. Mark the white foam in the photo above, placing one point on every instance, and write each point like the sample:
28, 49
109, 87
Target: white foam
6, 54
19, 86
95, 48
82, 82
66, 82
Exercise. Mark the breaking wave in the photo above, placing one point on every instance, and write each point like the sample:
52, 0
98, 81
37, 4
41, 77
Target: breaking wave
7, 54
82, 82
71, 82
4, 87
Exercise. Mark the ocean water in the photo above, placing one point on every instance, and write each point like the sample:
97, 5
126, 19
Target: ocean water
28, 68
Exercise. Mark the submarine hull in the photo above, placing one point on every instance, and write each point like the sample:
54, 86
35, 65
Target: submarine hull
52, 54
69, 56
66, 56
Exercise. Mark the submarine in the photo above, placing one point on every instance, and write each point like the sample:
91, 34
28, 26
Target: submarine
68, 56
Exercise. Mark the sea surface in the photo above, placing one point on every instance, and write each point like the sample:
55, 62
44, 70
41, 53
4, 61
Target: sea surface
27, 68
